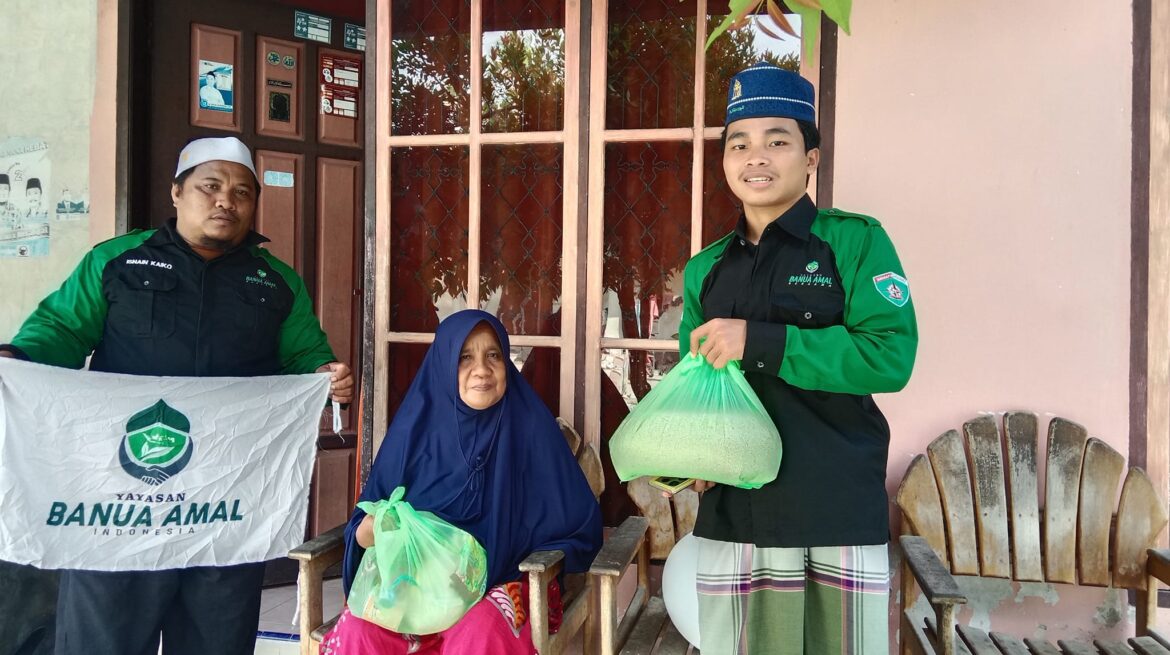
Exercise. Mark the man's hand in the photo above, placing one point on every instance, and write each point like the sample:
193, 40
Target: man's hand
7, 353
341, 382
722, 340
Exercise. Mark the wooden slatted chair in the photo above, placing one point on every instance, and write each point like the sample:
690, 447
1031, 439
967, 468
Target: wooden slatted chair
322, 552
970, 506
645, 628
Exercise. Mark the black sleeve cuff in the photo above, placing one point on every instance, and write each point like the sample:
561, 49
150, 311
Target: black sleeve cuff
20, 354
763, 348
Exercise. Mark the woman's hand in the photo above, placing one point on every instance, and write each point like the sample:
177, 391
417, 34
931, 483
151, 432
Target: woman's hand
365, 532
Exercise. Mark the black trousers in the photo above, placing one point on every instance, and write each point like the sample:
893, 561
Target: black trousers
196, 611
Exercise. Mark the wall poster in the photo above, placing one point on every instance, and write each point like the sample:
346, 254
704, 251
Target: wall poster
215, 86
24, 208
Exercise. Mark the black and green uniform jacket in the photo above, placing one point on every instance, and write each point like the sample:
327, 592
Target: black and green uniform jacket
829, 322
146, 304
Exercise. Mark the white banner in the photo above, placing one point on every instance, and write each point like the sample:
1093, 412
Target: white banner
114, 472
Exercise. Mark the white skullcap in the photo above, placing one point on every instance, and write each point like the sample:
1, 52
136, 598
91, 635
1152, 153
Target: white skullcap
229, 148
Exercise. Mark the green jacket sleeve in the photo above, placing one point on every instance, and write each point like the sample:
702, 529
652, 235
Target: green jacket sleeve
66, 326
692, 314
873, 351
303, 345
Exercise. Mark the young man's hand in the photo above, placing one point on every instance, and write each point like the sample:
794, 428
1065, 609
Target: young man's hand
722, 340
699, 486
340, 383
7, 353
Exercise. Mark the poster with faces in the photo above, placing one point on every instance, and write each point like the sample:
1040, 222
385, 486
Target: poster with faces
24, 197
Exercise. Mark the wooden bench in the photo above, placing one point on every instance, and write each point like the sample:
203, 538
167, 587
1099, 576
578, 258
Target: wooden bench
645, 628
322, 552
970, 506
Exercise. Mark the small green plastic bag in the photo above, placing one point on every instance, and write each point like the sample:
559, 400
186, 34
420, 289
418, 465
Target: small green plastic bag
699, 422
422, 574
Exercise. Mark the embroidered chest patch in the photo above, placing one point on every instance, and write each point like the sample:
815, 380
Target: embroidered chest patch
810, 277
893, 288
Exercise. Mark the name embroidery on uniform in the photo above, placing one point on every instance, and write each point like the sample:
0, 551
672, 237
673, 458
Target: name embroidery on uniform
149, 262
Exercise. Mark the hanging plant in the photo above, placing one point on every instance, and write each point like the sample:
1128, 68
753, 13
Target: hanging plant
808, 10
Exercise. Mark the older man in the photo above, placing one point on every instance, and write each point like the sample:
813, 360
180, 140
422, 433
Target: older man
195, 297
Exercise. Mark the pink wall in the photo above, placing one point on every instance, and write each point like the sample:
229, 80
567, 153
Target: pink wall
104, 125
993, 141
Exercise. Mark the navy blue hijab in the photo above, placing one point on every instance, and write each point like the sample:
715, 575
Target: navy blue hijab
503, 474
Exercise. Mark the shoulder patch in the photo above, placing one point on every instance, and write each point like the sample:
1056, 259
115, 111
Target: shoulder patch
893, 287
839, 213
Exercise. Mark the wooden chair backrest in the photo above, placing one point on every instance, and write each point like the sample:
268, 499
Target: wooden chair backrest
587, 457
670, 519
975, 498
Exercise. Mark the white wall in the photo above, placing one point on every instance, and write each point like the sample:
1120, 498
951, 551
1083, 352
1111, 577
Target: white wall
47, 71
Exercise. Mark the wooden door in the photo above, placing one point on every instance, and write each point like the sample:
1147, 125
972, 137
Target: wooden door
279, 76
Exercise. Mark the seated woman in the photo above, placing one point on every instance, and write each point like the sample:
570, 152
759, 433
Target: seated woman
473, 443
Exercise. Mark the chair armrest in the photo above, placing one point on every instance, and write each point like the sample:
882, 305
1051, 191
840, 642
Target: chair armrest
1158, 564
315, 555
542, 561
621, 547
541, 567
320, 546
937, 583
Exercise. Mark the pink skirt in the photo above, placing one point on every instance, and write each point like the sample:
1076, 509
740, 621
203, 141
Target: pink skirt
496, 625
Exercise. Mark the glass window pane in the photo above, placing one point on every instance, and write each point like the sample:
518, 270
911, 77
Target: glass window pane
647, 236
520, 257
541, 366
633, 373
524, 65
735, 50
404, 360
651, 64
721, 209
430, 71
428, 236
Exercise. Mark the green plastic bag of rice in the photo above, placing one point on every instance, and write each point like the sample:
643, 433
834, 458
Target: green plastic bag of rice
422, 574
699, 422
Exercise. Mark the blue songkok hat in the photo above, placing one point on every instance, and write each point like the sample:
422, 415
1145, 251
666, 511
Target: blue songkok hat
765, 89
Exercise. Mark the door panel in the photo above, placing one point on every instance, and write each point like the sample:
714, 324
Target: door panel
281, 201
339, 197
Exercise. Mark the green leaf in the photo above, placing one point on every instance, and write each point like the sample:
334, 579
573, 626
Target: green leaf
838, 11
810, 25
739, 9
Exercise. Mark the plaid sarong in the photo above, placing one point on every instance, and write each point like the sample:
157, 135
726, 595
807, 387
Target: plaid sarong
799, 601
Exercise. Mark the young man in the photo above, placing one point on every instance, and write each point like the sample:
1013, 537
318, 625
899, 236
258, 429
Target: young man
196, 297
815, 305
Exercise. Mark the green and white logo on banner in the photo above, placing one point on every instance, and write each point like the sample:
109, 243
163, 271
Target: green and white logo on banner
157, 444
893, 288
